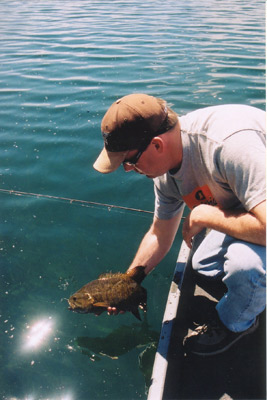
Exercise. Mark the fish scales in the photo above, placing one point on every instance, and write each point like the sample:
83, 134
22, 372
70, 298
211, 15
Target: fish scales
119, 290
112, 290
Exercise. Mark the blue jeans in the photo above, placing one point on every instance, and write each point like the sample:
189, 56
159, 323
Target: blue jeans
242, 267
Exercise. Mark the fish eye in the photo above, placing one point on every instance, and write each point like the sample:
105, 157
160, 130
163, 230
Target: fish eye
74, 298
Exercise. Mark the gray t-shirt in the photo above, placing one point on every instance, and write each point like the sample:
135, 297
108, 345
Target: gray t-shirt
223, 161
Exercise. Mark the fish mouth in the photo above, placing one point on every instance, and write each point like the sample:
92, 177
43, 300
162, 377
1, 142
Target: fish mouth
78, 310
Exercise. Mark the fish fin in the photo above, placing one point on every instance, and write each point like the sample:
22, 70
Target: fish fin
105, 275
108, 275
101, 304
106, 355
136, 313
98, 312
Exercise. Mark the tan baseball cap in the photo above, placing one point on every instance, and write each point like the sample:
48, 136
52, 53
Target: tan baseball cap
130, 123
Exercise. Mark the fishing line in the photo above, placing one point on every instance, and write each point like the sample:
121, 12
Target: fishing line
73, 201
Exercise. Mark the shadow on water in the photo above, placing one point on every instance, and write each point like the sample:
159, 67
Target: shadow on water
121, 341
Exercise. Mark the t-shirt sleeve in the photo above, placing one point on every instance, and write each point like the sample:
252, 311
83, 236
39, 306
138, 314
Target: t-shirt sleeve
241, 165
167, 200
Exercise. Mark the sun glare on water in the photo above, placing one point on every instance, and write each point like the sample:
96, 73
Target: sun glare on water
37, 334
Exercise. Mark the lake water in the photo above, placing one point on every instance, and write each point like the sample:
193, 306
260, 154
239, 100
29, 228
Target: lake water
62, 64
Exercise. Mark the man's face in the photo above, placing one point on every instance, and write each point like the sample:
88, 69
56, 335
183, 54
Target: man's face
149, 163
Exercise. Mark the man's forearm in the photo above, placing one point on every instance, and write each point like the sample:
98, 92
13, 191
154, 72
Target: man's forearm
149, 254
237, 223
156, 243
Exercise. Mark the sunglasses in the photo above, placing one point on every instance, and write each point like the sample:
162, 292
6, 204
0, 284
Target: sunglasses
134, 160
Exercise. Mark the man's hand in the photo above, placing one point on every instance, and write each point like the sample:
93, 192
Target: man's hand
114, 311
192, 225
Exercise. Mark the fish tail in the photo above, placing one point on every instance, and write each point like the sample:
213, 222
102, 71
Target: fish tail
137, 273
136, 313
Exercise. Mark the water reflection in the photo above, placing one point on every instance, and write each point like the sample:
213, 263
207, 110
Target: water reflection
119, 342
38, 334
67, 396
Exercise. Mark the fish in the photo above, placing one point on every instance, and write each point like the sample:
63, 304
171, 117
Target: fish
120, 290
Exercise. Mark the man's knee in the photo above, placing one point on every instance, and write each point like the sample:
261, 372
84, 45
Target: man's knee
229, 256
245, 262
211, 266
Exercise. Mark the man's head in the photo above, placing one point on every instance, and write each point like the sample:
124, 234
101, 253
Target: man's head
130, 124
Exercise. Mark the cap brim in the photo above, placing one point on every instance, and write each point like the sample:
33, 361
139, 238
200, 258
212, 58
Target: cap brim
108, 161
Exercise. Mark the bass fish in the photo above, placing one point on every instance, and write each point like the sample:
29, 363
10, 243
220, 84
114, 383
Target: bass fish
119, 290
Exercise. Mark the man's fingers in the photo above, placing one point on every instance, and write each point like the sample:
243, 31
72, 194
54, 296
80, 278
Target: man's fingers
114, 311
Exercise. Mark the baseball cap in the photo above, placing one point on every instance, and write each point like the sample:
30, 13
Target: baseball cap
130, 123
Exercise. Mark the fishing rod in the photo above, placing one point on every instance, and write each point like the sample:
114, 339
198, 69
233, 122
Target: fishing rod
72, 201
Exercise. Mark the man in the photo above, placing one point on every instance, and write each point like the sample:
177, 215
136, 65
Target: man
213, 160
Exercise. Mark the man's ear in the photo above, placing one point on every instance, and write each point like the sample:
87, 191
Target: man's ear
158, 143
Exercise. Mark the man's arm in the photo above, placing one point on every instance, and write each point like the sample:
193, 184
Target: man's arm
248, 226
156, 243
154, 246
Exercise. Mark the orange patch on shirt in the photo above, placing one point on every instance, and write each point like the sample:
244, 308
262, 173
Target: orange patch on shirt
200, 195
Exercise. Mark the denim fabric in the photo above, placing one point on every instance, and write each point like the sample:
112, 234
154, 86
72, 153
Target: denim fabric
242, 267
